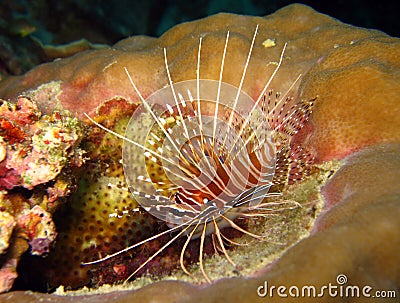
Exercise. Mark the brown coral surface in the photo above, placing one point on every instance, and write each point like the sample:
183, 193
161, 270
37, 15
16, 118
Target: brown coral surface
355, 75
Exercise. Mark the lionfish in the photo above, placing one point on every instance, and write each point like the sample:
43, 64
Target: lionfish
210, 155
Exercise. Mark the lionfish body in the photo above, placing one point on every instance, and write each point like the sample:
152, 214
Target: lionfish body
205, 165
210, 154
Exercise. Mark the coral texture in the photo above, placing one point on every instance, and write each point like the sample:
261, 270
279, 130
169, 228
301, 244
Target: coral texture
37, 151
101, 218
355, 76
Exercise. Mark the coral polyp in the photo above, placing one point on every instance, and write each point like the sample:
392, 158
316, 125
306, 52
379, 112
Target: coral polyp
201, 154
101, 218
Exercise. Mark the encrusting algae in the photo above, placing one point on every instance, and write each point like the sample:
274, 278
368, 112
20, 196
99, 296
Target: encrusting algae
39, 151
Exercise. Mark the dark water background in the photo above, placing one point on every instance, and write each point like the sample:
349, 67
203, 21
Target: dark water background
26, 24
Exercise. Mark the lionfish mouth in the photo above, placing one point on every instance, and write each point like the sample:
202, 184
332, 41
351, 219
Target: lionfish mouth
210, 154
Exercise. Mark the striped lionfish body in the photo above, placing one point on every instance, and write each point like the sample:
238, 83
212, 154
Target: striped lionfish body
210, 154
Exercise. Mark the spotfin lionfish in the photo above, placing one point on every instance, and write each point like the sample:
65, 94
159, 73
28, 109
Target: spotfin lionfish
216, 153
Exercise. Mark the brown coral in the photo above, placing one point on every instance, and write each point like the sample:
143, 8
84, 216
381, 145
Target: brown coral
101, 218
357, 89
